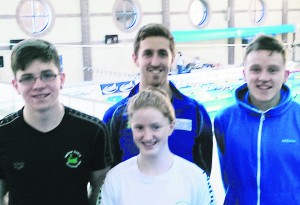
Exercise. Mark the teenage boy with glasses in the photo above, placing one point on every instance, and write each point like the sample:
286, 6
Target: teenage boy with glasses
49, 152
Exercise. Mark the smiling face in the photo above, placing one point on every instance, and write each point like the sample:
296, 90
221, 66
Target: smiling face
151, 130
154, 58
265, 74
40, 95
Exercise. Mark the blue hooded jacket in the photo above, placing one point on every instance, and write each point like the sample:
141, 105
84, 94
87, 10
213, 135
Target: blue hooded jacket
259, 151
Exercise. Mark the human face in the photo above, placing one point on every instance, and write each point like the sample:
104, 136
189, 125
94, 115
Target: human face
154, 59
151, 129
265, 73
40, 95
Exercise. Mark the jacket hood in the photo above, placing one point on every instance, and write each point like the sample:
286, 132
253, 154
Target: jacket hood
242, 96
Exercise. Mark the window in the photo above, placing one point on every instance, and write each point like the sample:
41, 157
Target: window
257, 11
35, 17
199, 13
127, 15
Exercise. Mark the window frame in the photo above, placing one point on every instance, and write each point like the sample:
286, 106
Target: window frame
206, 16
261, 18
32, 31
137, 11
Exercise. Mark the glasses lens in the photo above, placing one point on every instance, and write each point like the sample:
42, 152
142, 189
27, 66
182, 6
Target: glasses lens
48, 77
27, 79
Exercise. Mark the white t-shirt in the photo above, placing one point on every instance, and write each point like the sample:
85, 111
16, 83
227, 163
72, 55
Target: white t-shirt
183, 184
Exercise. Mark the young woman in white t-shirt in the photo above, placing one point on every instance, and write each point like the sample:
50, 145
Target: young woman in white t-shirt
155, 175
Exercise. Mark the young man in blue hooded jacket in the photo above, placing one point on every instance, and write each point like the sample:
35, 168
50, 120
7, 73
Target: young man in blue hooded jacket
259, 136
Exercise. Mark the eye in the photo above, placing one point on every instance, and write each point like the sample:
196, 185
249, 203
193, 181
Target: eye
26, 78
163, 53
255, 69
273, 69
138, 127
148, 53
48, 76
155, 127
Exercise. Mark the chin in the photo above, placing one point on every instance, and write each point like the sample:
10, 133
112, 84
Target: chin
148, 153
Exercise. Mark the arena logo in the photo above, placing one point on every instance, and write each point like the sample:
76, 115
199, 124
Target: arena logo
118, 87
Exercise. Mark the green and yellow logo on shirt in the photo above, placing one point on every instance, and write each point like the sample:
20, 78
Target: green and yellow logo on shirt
73, 159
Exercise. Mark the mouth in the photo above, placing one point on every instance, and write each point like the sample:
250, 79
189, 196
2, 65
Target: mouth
40, 96
149, 144
155, 70
264, 87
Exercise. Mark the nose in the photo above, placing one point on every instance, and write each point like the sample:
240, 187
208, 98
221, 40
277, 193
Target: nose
264, 76
38, 82
155, 61
147, 135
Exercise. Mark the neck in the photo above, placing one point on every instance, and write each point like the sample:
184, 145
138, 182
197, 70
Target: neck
155, 165
44, 120
165, 87
263, 106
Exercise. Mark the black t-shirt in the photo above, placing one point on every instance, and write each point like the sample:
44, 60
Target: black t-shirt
53, 167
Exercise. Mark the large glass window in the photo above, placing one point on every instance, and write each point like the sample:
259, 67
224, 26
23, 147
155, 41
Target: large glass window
199, 13
35, 17
257, 11
127, 14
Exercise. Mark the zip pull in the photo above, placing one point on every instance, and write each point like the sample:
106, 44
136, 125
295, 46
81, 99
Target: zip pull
262, 117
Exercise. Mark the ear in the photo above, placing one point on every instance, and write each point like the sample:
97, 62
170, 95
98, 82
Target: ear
172, 127
135, 59
173, 58
244, 75
62, 80
14, 82
286, 75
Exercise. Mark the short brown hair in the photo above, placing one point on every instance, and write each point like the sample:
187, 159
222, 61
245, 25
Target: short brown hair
25, 52
265, 42
152, 30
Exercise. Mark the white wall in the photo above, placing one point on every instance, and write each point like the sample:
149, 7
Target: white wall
117, 58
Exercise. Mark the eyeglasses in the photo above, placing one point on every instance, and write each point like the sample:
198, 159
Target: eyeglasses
29, 79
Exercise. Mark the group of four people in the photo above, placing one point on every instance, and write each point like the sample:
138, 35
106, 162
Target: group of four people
156, 143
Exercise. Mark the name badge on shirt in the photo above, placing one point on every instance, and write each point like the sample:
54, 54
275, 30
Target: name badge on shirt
183, 124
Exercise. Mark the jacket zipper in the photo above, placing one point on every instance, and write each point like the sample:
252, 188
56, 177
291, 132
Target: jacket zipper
258, 174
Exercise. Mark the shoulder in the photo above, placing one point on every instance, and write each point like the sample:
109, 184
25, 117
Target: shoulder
82, 118
296, 104
10, 119
227, 112
123, 168
179, 97
115, 109
188, 166
191, 173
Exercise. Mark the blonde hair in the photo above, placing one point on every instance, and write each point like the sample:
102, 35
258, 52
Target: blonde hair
154, 98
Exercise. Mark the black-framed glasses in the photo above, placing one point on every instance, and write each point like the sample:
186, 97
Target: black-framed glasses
29, 79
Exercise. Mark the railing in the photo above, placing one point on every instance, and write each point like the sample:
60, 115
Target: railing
212, 88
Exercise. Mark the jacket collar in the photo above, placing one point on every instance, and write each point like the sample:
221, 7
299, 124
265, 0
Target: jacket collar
175, 91
242, 98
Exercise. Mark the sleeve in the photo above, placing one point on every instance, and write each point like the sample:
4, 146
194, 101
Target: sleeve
107, 193
103, 156
205, 194
203, 148
220, 139
1, 172
113, 120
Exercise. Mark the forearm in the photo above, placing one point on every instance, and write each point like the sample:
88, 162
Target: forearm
4, 200
3, 193
97, 179
93, 196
